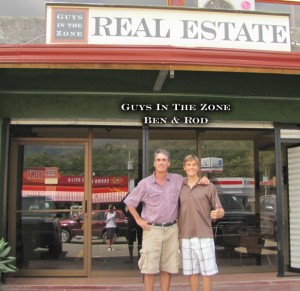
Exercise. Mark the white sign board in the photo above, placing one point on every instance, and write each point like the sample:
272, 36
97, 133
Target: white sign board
211, 165
149, 26
240, 186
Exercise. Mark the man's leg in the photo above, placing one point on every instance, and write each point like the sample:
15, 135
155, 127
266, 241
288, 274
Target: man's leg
109, 243
194, 282
149, 282
207, 283
108, 240
139, 236
165, 279
110, 236
130, 249
169, 259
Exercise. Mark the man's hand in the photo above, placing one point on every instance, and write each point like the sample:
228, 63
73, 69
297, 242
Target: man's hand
204, 181
143, 224
217, 213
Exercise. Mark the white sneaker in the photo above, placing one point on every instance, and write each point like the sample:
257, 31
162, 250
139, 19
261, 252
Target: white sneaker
109, 249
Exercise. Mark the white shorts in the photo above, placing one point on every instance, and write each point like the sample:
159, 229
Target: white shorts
198, 256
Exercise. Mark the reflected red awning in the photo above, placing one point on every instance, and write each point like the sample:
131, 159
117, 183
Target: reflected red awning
75, 196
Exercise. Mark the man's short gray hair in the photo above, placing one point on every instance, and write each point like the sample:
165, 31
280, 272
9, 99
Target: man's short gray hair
161, 151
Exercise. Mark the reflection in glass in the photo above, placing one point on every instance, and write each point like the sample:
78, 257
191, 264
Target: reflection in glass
240, 236
49, 192
115, 160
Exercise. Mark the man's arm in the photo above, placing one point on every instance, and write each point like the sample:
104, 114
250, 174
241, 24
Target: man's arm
108, 217
204, 181
141, 222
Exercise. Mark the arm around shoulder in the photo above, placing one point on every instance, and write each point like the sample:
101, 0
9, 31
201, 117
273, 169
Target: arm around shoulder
204, 181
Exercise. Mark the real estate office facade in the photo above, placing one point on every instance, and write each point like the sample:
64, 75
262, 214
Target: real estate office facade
112, 84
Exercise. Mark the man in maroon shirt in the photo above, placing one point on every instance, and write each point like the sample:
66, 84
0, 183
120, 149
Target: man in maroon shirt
197, 239
159, 194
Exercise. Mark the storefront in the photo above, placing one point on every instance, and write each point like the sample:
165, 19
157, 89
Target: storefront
80, 124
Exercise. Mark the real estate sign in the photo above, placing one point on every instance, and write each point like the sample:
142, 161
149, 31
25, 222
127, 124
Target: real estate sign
178, 27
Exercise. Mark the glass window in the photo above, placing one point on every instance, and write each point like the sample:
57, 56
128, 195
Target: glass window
43, 205
232, 159
228, 158
116, 169
178, 142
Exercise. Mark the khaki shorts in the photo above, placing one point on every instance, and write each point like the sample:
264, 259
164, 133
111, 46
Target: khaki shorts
160, 250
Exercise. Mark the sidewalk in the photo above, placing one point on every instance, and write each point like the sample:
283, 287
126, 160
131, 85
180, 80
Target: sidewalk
232, 282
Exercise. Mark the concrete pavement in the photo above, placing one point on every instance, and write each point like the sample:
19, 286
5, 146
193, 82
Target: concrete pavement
232, 282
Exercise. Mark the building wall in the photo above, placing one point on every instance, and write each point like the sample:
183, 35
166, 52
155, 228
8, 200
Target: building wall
2, 140
20, 30
99, 94
108, 107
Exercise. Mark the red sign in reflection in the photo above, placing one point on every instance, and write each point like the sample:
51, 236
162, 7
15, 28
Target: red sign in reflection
48, 181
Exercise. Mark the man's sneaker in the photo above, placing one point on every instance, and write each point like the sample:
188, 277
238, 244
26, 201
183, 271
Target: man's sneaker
109, 249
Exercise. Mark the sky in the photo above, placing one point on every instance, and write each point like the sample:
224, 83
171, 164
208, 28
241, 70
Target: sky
36, 8
22, 8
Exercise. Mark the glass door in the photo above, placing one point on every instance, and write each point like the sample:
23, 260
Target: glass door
48, 206
116, 170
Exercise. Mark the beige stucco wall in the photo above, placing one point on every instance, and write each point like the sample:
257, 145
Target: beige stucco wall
22, 30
